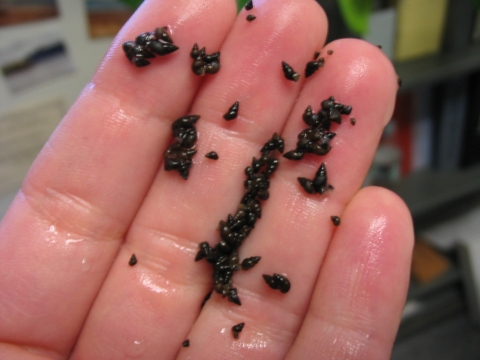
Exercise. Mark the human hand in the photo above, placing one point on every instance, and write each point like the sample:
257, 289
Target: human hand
98, 193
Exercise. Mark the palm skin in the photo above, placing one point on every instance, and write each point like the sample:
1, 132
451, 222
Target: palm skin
98, 193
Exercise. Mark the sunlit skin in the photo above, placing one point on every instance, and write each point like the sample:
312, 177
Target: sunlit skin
98, 193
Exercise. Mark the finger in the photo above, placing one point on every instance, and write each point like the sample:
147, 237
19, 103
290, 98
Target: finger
359, 296
63, 231
179, 214
294, 232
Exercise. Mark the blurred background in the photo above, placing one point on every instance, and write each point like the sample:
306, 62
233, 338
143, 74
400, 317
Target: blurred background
429, 153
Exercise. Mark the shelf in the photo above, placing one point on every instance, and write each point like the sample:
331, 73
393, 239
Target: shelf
438, 68
426, 191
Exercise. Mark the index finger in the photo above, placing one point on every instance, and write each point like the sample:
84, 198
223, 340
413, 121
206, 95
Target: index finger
64, 228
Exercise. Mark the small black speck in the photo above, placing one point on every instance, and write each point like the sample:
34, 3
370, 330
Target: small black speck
379, 46
353, 121
335, 220
236, 329
251, 17
330, 52
316, 55
212, 155
249, 5
133, 260
399, 81
186, 343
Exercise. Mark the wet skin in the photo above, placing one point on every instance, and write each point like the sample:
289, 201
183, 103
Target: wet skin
98, 192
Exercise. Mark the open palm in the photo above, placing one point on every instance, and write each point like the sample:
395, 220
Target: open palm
98, 193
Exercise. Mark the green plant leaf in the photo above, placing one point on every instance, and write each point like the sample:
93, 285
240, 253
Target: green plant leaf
356, 14
240, 4
134, 4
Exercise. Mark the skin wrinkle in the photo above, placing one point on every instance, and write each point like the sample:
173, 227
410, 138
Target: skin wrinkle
76, 203
172, 283
13, 308
8, 350
155, 264
251, 139
161, 265
115, 127
347, 341
188, 246
121, 115
97, 83
46, 203
33, 296
44, 353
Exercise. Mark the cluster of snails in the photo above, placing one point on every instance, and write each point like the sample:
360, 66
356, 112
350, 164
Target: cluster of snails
179, 154
204, 63
224, 257
147, 45
315, 139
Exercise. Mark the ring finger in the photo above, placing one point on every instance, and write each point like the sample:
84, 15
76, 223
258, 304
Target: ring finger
295, 231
